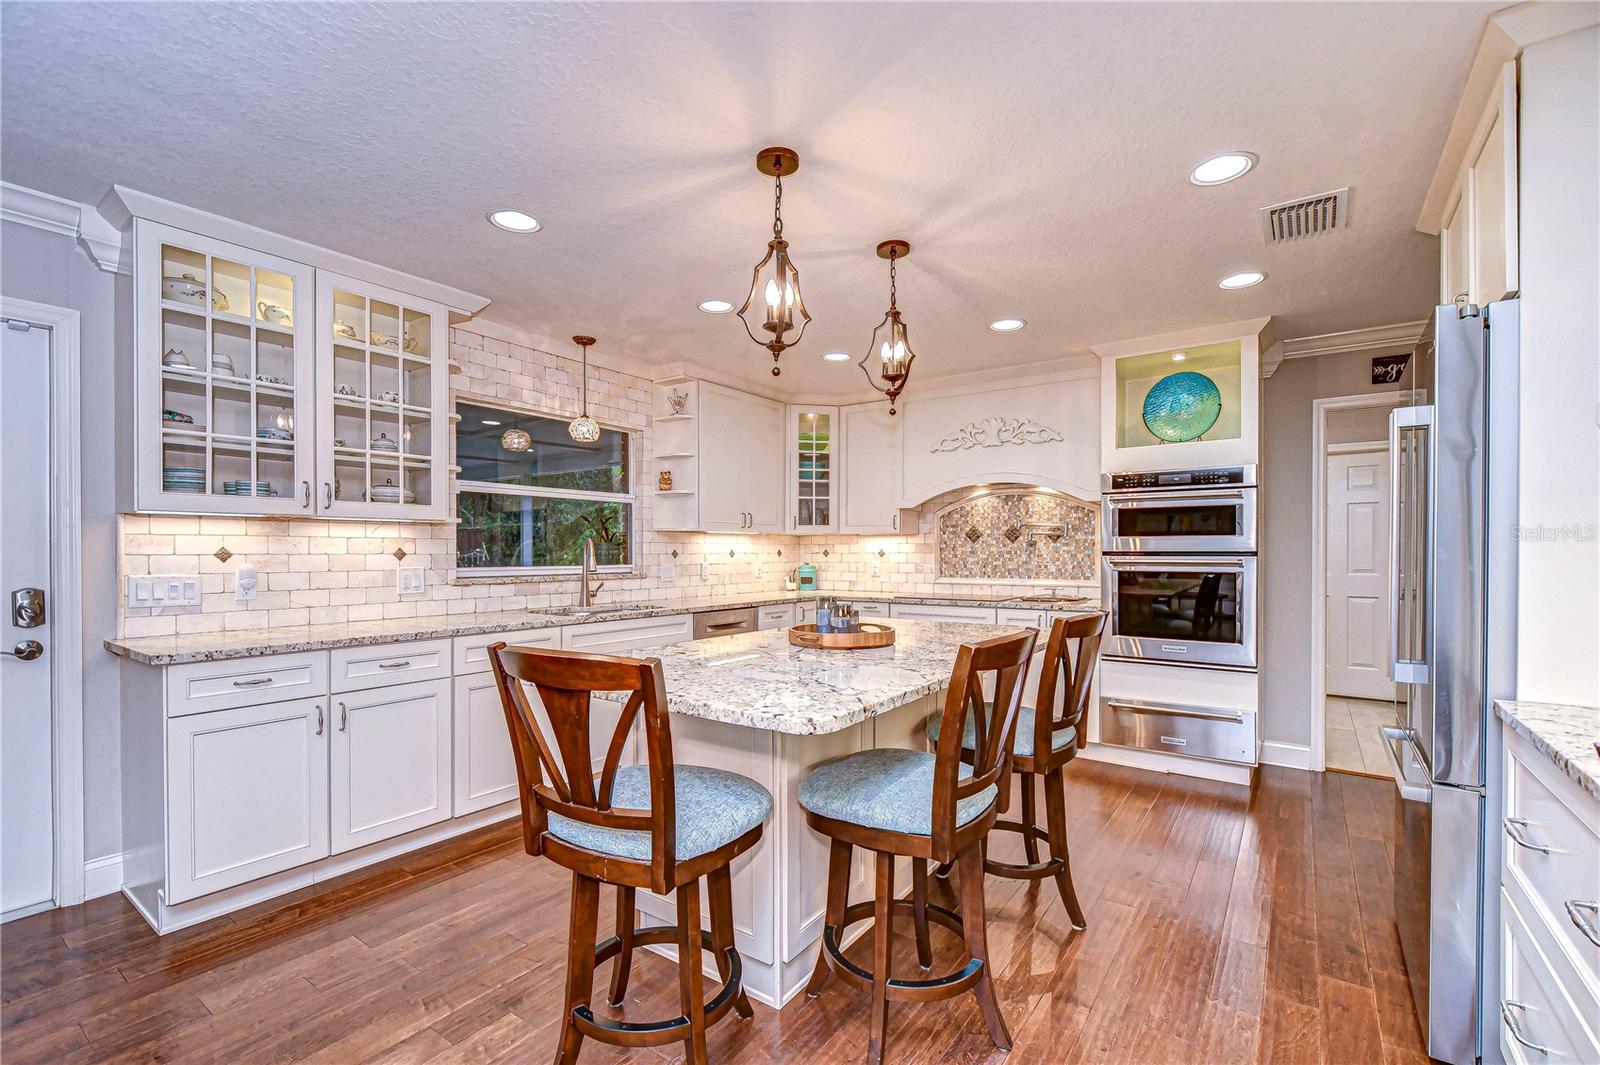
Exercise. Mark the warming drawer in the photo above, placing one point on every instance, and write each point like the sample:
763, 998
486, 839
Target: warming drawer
1217, 735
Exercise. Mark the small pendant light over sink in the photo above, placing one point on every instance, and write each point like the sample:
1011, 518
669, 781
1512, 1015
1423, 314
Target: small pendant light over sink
584, 429
890, 343
774, 301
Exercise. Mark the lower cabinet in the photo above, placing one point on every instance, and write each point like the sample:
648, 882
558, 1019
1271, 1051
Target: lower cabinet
389, 764
247, 794
938, 612
486, 772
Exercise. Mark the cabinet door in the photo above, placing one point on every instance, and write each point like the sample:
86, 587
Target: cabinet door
1455, 250
485, 771
247, 794
383, 416
1492, 170
223, 377
871, 460
721, 507
761, 479
390, 762
812, 446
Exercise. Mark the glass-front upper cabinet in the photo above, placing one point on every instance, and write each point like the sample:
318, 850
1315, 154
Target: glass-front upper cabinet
223, 377
813, 469
383, 380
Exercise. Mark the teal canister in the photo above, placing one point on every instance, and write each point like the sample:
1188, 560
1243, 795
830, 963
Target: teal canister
806, 577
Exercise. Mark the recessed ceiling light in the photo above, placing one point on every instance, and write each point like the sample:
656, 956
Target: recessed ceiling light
490, 421
1220, 169
1007, 325
716, 306
514, 221
836, 356
1178, 356
1242, 280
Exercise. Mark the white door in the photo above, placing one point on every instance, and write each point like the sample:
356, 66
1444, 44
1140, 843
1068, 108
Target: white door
1357, 486
389, 764
247, 794
761, 474
26, 841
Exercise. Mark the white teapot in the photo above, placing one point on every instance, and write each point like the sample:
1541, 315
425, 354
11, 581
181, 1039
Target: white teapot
272, 313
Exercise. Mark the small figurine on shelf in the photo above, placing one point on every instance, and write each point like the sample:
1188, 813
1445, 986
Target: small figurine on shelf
664, 480
676, 401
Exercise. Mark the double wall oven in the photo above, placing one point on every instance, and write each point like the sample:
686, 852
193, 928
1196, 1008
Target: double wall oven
1179, 565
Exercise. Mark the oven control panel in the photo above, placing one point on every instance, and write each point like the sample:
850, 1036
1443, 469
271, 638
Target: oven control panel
1218, 475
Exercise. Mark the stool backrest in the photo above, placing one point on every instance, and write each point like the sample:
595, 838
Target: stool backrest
1006, 657
559, 777
1066, 678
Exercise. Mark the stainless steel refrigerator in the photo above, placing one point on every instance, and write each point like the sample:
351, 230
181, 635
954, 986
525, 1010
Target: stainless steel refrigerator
1452, 456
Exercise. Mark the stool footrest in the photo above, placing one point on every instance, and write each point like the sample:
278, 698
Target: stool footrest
939, 987
655, 1033
1035, 871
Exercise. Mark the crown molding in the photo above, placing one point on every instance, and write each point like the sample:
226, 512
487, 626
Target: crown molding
1260, 328
1374, 338
53, 214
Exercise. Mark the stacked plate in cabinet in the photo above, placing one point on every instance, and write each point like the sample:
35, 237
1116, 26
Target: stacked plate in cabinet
183, 479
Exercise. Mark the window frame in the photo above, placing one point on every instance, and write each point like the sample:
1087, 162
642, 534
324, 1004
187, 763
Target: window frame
629, 499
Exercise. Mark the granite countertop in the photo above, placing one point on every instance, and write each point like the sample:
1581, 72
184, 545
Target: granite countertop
251, 643
759, 680
1566, 733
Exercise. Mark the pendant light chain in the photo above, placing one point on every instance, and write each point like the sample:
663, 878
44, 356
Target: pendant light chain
777, 207
893, 261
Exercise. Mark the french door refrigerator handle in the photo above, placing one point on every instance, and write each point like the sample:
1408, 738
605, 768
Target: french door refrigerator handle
1408, 543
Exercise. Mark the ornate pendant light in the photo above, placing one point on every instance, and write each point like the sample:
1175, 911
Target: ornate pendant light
774, 299
516, 440
584, 429
891, 343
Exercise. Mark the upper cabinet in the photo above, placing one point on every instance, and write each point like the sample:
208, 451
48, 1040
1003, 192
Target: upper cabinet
383, 391
265, 383
869, 446
813, 468
722, 454
1478, 228
223, 377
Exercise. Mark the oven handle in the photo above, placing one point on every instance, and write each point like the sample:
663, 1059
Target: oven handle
1171, 710
1138, 499
1167, 563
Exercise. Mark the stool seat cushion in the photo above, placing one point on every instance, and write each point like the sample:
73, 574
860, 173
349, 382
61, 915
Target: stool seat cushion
715, 808
1023, 747
885, 788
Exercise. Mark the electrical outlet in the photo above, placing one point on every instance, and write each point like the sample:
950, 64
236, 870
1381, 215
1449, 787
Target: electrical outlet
411, 580
758, 569
244, 588
705, 571
877, 567
669, 571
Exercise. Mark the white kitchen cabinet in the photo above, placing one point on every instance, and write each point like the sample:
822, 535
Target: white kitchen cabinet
869, 445
383, 412
485, 770
778, 616
1478, 231
931, 612
389, 762
222, 377
247, 794
728, 475
812, 445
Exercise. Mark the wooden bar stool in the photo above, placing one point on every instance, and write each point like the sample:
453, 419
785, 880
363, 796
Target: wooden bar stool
1045, 743
929, 807
658, 826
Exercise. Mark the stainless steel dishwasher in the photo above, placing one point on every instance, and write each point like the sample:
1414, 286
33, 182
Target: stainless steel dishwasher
724, 622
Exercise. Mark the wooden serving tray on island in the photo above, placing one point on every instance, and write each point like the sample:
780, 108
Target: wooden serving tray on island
871, 634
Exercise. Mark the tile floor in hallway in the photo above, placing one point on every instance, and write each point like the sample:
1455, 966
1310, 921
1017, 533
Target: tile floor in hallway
1353, 742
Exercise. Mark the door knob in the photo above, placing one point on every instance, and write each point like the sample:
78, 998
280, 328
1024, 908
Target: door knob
26, 651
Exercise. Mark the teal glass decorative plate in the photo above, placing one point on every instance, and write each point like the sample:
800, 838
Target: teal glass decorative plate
1182, 407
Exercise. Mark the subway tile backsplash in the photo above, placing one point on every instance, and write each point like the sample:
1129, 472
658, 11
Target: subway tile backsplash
313, 572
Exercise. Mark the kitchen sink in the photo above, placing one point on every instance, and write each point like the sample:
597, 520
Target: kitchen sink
571, 611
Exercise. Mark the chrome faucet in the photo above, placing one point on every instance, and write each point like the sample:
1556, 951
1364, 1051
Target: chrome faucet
586, 593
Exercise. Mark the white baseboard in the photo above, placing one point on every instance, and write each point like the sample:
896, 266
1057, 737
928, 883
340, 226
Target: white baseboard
1289, 755
102, 876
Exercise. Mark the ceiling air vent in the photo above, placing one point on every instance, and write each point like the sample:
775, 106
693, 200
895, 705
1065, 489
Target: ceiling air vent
1306, 217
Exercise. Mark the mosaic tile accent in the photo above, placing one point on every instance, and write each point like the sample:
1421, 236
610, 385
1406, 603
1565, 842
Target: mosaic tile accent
1037, 537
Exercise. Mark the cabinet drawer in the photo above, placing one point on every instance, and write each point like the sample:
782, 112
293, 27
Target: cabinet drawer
472, 652
1195, 731
1030, 619
776, 617
1552, 851
1534, 1006
204, 686
627, 637
359, 668
920, 612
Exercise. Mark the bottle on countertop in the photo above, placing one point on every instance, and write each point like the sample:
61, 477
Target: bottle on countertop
824, 614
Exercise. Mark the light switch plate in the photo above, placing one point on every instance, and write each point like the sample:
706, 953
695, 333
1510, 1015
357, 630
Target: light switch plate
163, 590
669, 571
412, 580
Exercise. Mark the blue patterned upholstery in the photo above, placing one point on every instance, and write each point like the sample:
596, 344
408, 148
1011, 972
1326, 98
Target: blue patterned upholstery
715, 807
885, 788
1023, 746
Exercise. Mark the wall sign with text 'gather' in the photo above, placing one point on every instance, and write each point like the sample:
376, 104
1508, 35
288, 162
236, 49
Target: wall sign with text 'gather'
1388, 369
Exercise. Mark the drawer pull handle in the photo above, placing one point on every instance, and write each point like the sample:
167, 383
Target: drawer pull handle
1575, 910
402, 664
1514, 1026
344, 717
1517, 829
253, 682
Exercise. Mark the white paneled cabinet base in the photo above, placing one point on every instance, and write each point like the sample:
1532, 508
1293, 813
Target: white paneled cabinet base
245, 779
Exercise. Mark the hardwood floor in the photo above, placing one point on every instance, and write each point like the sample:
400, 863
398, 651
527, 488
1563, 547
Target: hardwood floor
1224, 926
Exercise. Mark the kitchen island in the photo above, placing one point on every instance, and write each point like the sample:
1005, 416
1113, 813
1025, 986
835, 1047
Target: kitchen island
756, 705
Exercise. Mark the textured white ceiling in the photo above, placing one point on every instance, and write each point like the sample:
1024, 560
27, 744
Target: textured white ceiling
1036, 156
